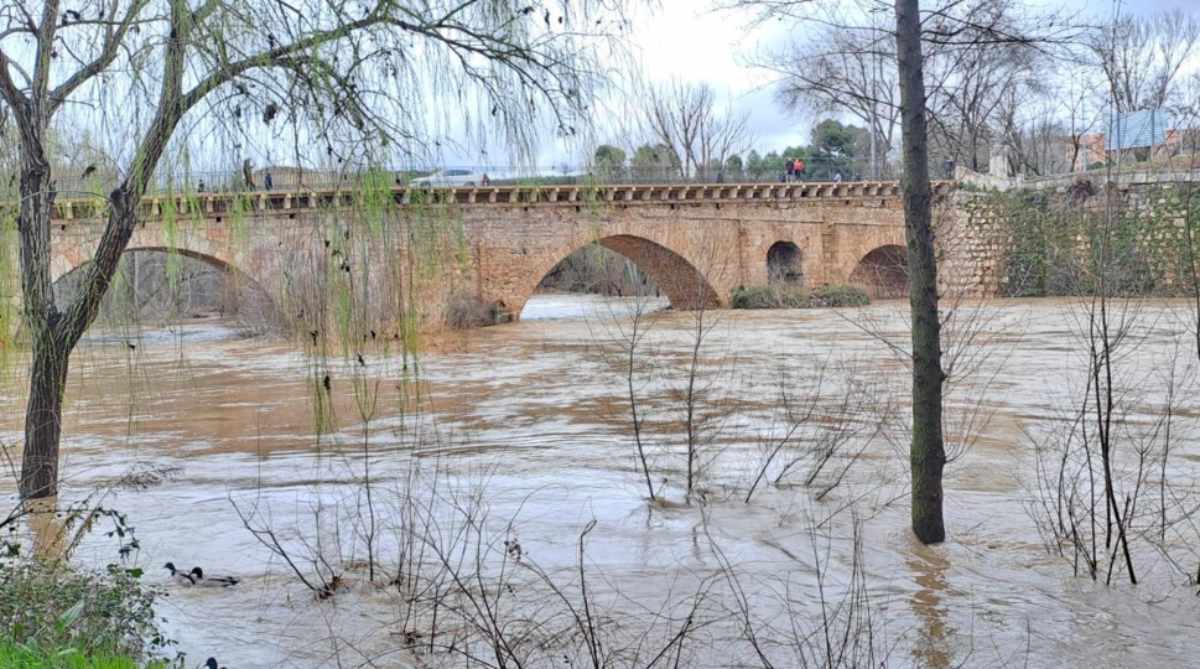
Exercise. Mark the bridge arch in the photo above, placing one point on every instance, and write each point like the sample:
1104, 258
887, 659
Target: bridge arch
64, 272
883, 272
676, 277
61, 271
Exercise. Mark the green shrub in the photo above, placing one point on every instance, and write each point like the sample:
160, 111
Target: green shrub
754, 297
769, 297
466, 311
50, 610
14, 656
838, 296
789, 297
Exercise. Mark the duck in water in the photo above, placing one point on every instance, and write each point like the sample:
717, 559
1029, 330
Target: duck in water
200, 579
180, 577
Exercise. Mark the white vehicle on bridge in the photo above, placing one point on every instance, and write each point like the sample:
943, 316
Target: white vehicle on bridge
449, 178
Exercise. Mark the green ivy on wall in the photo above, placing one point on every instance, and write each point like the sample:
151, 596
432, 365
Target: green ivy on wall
1075, 242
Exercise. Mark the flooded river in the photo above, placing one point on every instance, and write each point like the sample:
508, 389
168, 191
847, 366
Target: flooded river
177, 426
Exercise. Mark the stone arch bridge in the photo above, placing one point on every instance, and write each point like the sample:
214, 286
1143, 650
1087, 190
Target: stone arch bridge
698, 242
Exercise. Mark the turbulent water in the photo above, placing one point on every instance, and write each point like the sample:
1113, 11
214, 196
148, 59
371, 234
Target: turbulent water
176, 426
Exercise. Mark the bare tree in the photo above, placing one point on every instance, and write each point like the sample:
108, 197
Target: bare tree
630, 338
927, 450
1079, 119
835, 68
686, 117
1037, 141
973, 90
1141, 57
342, 71
949, 28
977, 65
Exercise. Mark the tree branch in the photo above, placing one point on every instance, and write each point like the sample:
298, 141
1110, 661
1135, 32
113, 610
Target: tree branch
113, 41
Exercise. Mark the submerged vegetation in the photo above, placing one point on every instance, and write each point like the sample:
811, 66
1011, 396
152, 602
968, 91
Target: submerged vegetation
794, 297
465, 311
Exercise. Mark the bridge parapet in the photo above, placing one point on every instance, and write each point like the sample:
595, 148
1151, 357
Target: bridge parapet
218, 204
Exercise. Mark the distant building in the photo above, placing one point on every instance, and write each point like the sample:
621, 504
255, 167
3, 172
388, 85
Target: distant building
1180, 141
1138, 130
1085, 151
1096, 148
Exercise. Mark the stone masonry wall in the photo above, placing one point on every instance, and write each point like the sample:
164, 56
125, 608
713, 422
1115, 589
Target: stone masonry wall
1057, 224
420, 256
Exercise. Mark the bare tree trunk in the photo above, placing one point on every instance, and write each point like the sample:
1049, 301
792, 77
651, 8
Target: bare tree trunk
927, 454
43, 417
43, 413
54, 334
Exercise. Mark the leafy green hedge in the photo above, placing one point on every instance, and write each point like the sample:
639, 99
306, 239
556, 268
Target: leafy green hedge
785, 297
54, 616
14, 656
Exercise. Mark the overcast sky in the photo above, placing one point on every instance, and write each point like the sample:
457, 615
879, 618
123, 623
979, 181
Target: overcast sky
685, 39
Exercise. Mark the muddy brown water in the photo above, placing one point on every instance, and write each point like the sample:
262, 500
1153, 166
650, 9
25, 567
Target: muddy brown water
536, 412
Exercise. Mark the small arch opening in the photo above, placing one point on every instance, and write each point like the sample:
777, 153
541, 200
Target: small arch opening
883, 272
785, 265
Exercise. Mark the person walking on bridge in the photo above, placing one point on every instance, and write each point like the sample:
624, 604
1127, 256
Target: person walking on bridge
798, 169
248, 174
791, 168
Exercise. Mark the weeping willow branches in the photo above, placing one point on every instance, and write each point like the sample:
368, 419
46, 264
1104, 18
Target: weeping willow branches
337, 78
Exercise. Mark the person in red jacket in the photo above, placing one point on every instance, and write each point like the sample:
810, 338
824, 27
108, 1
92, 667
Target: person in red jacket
798, 168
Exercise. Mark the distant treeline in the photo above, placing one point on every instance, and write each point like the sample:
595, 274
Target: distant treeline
836, 150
